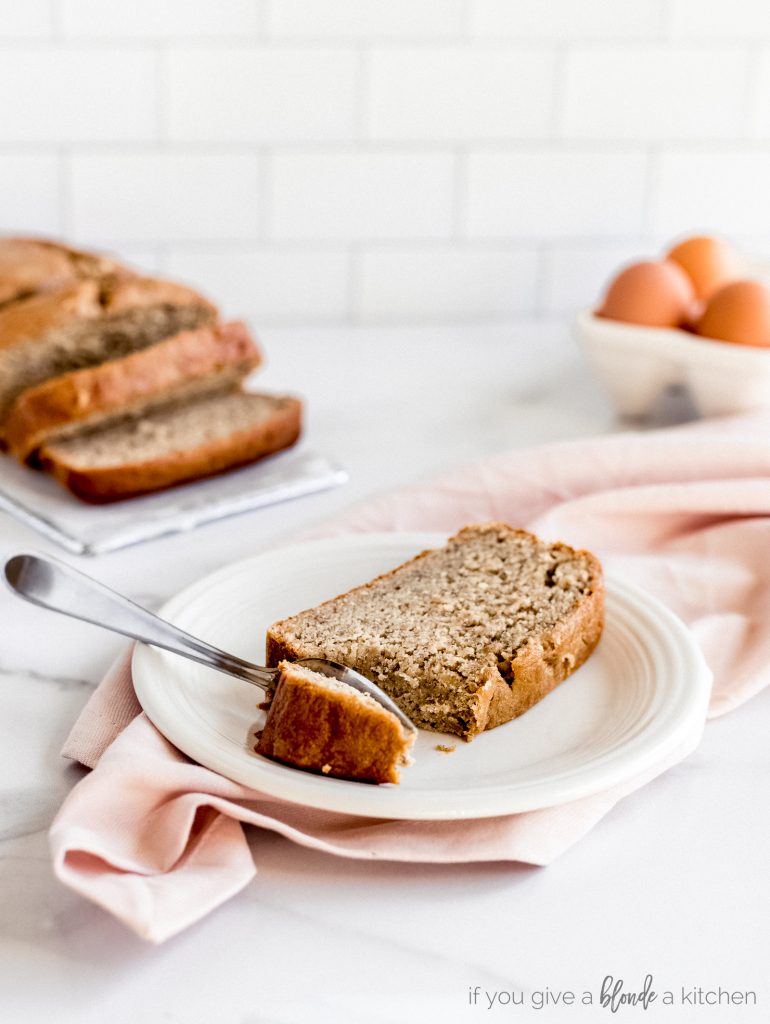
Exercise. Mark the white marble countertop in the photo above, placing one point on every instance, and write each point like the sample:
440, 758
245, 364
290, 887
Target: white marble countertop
673, 882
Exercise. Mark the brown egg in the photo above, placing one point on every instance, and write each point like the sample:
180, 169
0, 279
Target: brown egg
654, 294
708, 262
738, 312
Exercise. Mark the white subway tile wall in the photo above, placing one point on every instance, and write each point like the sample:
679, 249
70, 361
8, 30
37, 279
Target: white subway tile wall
356, 196
459, 95
30, 193
271, 283
453, 283
322, 161
154, 197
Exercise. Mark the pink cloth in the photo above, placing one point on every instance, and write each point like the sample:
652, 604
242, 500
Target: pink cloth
156, 839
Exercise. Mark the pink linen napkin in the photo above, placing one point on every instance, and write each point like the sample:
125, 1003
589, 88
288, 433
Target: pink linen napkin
157, 840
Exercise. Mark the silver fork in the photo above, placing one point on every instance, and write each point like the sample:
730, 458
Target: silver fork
55, 585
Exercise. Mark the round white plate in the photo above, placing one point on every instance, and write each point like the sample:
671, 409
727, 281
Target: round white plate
641, 694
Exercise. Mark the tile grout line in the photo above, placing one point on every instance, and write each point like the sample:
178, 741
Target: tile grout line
362, 97
54, 19
461, 197
751, 107
65, 197
651, 190
355, 283
264, 184
543, 274
559, 98
264, 20
162, 96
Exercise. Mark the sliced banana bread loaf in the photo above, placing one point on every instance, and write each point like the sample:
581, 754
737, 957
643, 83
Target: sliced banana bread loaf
465, 637
190, 363
168, 446
326, 726
88, 323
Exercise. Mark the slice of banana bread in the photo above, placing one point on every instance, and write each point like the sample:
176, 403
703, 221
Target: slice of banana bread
465, 637
324, 725
181, 367
196, 439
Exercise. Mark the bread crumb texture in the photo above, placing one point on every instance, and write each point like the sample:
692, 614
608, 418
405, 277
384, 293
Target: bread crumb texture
464, 637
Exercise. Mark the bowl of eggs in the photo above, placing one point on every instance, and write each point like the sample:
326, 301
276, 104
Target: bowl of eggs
698, 318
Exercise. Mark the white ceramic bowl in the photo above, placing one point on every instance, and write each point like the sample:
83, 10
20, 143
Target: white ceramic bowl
636, 364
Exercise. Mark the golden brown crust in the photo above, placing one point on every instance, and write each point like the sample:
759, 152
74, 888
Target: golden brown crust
113, 483
331, 732
539, 666
122, 293
34, 317
30, 265
30, 320
141, 380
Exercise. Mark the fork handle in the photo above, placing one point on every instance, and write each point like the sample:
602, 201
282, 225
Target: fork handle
59, 587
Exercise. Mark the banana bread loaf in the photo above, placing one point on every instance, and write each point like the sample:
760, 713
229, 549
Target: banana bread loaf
167, 446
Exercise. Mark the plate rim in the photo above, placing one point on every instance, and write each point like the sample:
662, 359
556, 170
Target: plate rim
319, 793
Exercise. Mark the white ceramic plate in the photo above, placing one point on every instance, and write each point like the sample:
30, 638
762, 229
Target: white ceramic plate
642, 693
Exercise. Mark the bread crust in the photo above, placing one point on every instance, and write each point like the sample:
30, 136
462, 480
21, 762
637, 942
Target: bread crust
30, 320
121, 293
137, 382
539, 666
332, 733
114, 483
30, 265
26, 321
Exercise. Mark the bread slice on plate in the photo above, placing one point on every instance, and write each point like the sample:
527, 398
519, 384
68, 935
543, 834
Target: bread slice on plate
464, 637
31, 265
88, 323
324, 725
171, 445
204, 360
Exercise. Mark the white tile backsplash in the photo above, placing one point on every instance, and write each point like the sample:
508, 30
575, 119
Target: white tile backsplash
330, 160
437, 284
559, 194
717, 20
158, 196
270, 285
759, 112
355, 195
649, 94
158, 18
460, 95
565, 19
576, 276
29, 186
30, 18
713, 190
261, 94
70, 94
367, 19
